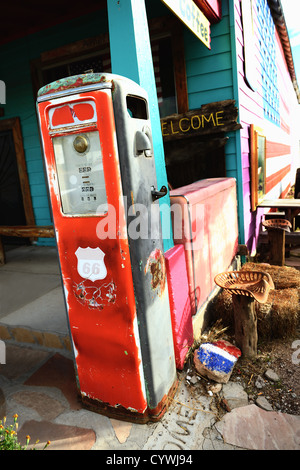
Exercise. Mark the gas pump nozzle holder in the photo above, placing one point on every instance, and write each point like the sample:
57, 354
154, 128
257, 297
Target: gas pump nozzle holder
96, 136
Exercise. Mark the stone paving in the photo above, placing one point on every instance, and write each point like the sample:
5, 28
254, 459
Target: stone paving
38, 383
253, 428
40, 387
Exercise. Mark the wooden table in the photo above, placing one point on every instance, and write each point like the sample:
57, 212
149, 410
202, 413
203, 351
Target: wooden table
291, 207
278, 238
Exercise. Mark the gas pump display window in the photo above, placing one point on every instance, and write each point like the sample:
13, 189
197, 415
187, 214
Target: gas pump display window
80, 173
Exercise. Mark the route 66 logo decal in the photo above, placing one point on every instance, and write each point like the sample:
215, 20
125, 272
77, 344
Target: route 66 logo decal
91, 263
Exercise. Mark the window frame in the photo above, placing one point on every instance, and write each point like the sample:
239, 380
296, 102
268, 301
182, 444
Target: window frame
99, 45
14, 124
257, 196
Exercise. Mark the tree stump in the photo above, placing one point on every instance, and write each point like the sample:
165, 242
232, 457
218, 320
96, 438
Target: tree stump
246, 287
245, 324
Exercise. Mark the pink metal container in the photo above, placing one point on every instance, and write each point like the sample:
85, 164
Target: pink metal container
204, 218
180, 303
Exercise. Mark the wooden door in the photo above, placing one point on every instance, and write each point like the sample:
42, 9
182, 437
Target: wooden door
15, 200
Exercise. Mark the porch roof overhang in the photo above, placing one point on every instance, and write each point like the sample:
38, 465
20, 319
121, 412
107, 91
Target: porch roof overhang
19, 19
27, 18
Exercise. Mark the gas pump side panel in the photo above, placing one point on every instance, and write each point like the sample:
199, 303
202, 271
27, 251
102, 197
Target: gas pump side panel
96, 274
146, 245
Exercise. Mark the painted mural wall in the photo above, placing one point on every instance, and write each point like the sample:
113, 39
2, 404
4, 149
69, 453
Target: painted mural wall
270, 104
267, 100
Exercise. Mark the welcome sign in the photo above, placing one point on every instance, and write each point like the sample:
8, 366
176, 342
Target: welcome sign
188, 12
211, 118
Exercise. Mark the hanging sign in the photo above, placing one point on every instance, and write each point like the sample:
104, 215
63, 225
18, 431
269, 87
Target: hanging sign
211, 118
192, 17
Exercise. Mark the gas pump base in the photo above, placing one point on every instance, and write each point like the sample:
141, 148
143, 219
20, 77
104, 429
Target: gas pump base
123, 414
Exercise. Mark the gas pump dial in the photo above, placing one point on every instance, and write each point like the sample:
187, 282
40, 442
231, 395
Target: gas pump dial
81, 144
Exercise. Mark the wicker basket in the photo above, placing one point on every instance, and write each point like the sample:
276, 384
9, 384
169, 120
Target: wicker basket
281, 224
255, 284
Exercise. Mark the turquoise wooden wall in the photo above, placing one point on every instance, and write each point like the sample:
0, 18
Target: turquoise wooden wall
131, 56
212, 76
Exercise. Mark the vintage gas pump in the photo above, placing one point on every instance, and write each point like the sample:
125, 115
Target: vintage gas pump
96, 137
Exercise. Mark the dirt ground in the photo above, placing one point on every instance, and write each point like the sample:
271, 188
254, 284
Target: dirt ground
278, 340
283, 357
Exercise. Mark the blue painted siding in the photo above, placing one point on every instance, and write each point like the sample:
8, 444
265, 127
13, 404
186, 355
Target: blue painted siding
212, 76
132, 58
209, 72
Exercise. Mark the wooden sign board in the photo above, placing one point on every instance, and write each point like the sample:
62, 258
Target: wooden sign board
211, 118
188, 12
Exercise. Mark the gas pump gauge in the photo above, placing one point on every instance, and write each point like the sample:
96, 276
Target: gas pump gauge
80, 173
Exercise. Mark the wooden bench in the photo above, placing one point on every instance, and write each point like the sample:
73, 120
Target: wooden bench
25, 231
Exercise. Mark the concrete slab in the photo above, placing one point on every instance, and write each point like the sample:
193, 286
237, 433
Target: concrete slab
34, 259
58, 372
21, 361
46, 313
18, 289
31, 297
183, 425
47, 407
41, 388
30, 273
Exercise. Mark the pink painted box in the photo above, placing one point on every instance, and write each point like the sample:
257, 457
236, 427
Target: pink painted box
204, 218
180, 304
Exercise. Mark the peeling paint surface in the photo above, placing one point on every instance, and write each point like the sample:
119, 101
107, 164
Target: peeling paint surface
94, 296
101, 311
156, 266
73, 82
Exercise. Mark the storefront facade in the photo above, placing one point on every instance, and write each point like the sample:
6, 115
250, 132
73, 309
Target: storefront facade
206, 103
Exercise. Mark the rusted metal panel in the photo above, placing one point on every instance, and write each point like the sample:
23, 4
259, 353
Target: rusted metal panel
146, 250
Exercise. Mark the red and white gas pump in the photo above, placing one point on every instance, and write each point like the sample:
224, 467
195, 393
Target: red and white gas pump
97, 143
